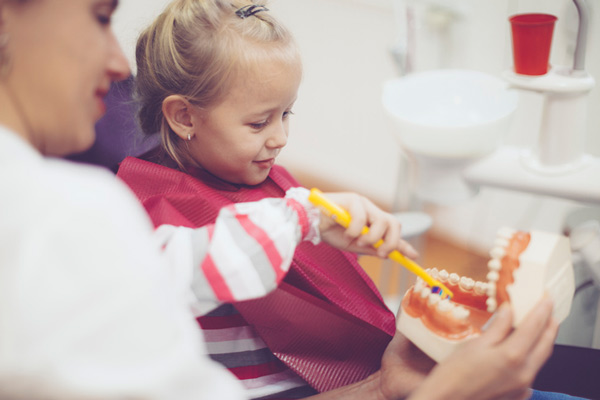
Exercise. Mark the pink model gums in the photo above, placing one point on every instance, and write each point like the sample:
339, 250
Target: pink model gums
523, 266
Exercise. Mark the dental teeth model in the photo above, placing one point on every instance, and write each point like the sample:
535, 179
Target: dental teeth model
523, 266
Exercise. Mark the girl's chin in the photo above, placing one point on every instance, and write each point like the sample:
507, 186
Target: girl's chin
256, 178
254, 182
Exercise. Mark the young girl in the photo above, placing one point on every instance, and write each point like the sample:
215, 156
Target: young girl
224, 118
217, 79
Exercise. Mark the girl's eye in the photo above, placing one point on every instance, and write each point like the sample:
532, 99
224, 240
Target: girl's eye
262, 124
258, 125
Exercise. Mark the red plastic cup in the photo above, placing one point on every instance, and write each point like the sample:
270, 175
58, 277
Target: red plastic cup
532, 40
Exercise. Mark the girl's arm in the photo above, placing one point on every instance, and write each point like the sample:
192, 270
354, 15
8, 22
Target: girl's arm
248, 250
245, 254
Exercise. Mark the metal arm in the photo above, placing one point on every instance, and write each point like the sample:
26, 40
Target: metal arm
579, 59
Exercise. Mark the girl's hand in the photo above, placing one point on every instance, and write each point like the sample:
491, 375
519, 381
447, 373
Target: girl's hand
382, 226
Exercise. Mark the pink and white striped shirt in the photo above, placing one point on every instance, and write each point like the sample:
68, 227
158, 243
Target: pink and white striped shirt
246, 253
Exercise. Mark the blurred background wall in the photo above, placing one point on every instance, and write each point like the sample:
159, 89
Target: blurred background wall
340, 138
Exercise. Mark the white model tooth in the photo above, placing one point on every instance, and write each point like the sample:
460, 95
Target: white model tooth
433, 299
493, 276
426, 291
492, 304
419, 284
445, 305
444, 275
466, 283
434, 273
460, 313
506, 232
497, 252
491, 289
494, 264
454, 278
501, 242
417, 288
480, 287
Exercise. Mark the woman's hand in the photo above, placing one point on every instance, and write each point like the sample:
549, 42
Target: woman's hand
382, 226
500, 364
403, 368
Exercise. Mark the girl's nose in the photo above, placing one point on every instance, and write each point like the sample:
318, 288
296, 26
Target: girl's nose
278, 137
118, 66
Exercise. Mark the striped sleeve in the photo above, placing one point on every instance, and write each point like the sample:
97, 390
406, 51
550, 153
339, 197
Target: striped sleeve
246, 253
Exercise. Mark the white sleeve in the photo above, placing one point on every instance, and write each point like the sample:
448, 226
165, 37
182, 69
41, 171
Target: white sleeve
88, 302
247, 251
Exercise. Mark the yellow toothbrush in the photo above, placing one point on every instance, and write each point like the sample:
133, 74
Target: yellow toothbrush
342, 217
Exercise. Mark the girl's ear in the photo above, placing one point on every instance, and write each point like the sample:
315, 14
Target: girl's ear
177, 111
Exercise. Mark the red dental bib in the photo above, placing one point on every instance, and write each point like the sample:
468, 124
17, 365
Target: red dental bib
326, 321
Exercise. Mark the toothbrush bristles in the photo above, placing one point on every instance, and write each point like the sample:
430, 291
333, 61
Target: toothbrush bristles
440, 291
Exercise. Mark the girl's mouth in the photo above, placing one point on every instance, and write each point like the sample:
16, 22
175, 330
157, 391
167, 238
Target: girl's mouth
268, 163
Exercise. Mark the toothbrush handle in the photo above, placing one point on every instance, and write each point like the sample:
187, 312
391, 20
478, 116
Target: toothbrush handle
343, 218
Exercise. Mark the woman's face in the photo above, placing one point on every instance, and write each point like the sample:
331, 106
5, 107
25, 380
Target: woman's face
64, 57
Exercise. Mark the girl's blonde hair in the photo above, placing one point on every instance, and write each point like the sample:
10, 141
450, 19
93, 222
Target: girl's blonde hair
197, 49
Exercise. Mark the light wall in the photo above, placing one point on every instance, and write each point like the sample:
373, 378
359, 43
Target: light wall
339, 133
131, 17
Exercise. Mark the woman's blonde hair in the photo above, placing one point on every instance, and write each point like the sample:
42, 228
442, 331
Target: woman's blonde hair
197, 49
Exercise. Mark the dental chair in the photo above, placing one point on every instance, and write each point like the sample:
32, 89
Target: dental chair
117, 132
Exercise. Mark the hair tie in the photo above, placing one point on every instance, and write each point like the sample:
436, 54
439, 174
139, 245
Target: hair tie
250, 10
